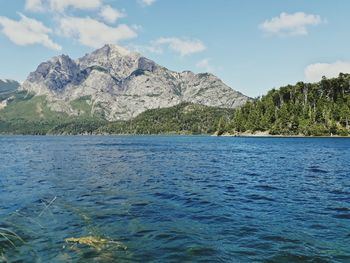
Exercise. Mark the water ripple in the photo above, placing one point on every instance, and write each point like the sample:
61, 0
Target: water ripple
176, 199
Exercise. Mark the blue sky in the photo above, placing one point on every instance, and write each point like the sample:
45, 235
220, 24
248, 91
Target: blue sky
252, 45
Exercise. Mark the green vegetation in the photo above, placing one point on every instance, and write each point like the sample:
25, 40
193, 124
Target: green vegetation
28, 114
185, 118
319, 109
83, 105
181, 119
26, 107
8, 239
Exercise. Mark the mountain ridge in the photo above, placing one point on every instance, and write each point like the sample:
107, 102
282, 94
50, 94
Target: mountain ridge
120, 84
8, 84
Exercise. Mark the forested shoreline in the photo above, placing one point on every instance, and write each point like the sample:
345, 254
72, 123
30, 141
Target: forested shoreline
303, 109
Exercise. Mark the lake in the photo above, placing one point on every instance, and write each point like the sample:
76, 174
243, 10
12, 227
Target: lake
174, 199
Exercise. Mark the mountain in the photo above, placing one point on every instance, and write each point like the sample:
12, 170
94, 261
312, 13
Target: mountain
7, 89
116, 84
8, 86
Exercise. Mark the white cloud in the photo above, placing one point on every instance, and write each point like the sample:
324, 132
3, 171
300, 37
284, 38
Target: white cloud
110, 14
93, 33
315, 72
205, 65
34, 5
147, 2
183, 47
27, 31
61, 5
145, 48
290, 24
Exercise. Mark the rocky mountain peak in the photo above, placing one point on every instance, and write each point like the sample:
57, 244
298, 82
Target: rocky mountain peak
115, 59
57, 73
115, 49
122, 84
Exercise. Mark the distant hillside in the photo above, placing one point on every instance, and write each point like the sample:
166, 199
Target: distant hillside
7, 88
316, 109
184, 118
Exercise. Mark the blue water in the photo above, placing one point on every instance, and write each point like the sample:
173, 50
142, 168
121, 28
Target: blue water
175, 199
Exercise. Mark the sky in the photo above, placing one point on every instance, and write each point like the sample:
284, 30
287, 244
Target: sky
252, 45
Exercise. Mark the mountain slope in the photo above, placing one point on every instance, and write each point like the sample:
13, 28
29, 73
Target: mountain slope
184, 118
7, 89
118, 85
8, 86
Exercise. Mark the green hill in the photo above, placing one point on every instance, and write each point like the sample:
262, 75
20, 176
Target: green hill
185, 118
28, 114
181, 119
316, 109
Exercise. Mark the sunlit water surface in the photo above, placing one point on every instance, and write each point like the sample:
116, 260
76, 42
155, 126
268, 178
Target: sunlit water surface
175, 199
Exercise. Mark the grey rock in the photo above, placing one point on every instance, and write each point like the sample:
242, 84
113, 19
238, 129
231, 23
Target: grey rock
123, 84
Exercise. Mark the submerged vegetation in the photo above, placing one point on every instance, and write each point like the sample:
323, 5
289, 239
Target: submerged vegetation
318, 109
7, 235
95, 242
26, 235
8, 239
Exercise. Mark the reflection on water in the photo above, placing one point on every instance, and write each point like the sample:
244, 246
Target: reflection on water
174, 199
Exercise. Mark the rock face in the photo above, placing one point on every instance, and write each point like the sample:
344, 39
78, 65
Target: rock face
121, 84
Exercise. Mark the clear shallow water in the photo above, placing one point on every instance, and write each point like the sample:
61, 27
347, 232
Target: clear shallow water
176, 199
